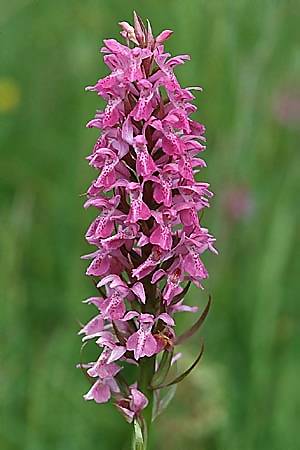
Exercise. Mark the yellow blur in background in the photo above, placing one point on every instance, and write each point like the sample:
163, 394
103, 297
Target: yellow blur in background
10, 95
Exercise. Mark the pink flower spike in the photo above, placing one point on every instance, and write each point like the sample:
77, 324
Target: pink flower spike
148, 232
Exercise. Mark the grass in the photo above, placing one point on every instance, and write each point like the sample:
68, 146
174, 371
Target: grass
245, 55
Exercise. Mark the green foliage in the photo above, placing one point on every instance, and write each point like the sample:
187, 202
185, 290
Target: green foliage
138, 441
244, 392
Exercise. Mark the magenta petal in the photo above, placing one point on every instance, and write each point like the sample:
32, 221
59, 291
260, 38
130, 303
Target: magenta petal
116, 354
139, 401
162, 237
108, 370
93, 326
138, 211
132, 341
145, 211
104, 228
145, 165
157, 276
99, 266
150, 346
97, 301
113, 307
195, 267
99, 392
139, 291
167, 319
163, 194
130, 315
163, 36
127, 413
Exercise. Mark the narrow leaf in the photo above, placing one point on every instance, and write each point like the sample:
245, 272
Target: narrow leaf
163, 402
184, 374
163, 369
191, 331
138, 441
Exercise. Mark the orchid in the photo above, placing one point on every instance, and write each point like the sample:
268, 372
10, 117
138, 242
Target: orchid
133, 405
148, 235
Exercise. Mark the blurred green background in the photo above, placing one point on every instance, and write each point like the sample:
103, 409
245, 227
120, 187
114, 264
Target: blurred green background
246, 55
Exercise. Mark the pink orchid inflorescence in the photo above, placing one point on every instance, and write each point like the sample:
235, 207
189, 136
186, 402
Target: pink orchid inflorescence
147, 234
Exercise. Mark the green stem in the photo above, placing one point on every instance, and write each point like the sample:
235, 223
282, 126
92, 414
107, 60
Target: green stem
147, 369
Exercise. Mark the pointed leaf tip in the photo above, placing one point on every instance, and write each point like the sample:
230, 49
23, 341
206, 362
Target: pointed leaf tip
191, 331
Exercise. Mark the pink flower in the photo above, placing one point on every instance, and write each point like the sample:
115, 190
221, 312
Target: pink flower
147, 101
138, 208
102, 368
162, 233
113, 306
101, 390
142, 342
93, 327
114, 350
146, 267
132, 406
145, 165
148, 235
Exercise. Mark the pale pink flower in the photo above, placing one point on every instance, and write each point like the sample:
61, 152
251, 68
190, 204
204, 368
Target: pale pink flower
132, 406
